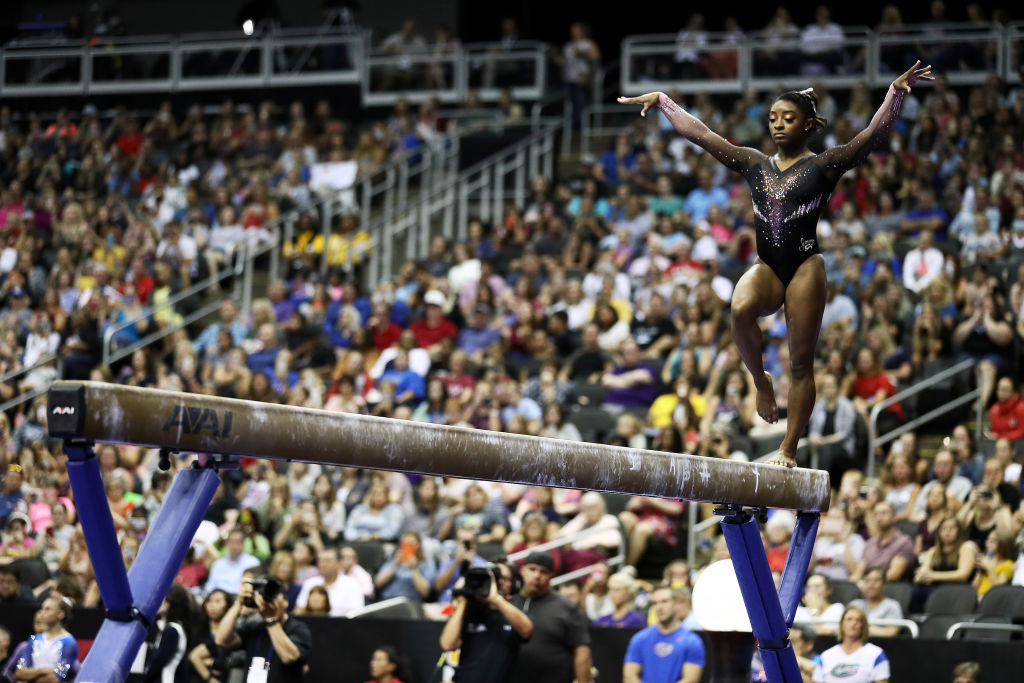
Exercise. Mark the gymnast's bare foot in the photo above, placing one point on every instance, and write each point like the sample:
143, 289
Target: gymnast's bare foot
782, 458
766, 407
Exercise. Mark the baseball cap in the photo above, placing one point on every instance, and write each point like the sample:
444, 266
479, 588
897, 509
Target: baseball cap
14, 516
858, 250
482, 308
541, 559
434, 298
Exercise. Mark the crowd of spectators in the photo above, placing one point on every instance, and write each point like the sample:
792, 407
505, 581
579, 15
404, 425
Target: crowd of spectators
596, 310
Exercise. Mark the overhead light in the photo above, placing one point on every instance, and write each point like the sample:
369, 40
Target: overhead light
248, 27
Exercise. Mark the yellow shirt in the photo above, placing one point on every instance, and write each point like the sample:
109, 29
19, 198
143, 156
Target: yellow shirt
302, 244
1004, 568
338, 247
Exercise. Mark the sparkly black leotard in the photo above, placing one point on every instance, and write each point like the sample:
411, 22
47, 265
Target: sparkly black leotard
787, 204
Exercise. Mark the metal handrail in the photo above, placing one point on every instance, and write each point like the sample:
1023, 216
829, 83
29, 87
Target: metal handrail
982, 626
11, 374
908, 624
874, 440
614, 561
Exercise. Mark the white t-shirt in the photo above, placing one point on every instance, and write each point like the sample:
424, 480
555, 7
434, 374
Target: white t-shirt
832, 613
867, 664
345, 594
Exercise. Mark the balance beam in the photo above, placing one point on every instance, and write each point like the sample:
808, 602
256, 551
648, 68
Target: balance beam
111, 413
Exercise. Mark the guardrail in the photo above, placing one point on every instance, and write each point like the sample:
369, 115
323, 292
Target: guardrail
1009, 629
277, 58
445, 208
193, 62
614, 561
875, 440
909, 624
966, 53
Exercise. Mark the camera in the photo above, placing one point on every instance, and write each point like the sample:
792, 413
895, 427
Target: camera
985, 494
268, 587
477, 581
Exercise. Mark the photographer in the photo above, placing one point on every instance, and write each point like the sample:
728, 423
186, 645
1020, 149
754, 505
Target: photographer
276, 646
480, 623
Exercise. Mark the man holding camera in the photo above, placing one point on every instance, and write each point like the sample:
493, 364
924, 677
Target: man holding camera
559, 648
485, 625
276, 646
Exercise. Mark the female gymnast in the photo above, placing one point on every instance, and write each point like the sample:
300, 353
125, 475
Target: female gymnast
789, 191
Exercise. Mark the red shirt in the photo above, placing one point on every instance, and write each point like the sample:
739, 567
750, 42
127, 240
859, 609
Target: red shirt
866, 387
386, 338
427, 336
130, 144
1008, 418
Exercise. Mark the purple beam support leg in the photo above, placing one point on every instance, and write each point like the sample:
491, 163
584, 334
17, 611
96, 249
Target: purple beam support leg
794, 574
98, 528
151, 574
760, 597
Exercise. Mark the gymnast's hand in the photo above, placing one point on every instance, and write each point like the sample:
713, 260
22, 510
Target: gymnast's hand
913, 75
649, 100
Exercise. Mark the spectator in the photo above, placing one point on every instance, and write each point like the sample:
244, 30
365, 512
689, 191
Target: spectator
946, 479
852, 653
207, 658
622, 589
937, 507
1007, 413
290, 639
408, 573
922, 264
488, 631
451, 569
817, 606
348, 565
318, 603
967, 672
995, 563
832, 428
476, 514
604, 536
951, 560
167, 645
53, 650
876, 605
387, 666
889, 548
837, 549
903, 491
927, 217
821, 44
982, 513
344, 592
226, 572
634, 383
376, 518
666, 651
645, 518
559, 647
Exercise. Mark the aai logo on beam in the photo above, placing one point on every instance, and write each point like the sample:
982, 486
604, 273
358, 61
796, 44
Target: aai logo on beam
196, 420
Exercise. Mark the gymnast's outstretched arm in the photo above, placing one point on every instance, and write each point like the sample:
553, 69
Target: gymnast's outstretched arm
739, 159
842, 158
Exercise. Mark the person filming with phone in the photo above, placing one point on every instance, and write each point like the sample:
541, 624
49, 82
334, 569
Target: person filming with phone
484, 625
276, 646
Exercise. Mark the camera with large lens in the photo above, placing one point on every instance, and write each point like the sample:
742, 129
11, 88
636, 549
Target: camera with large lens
478, 580
268, 587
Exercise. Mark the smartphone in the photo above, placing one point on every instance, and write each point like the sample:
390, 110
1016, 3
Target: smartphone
407, 551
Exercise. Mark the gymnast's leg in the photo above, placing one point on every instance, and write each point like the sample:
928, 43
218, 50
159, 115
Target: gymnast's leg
805, 303
759, 292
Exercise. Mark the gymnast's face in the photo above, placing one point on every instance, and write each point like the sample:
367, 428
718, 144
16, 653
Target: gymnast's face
787, 125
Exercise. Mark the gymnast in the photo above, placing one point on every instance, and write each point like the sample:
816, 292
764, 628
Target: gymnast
789, 192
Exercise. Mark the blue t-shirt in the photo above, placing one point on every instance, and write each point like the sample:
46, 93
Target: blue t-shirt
661, 656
